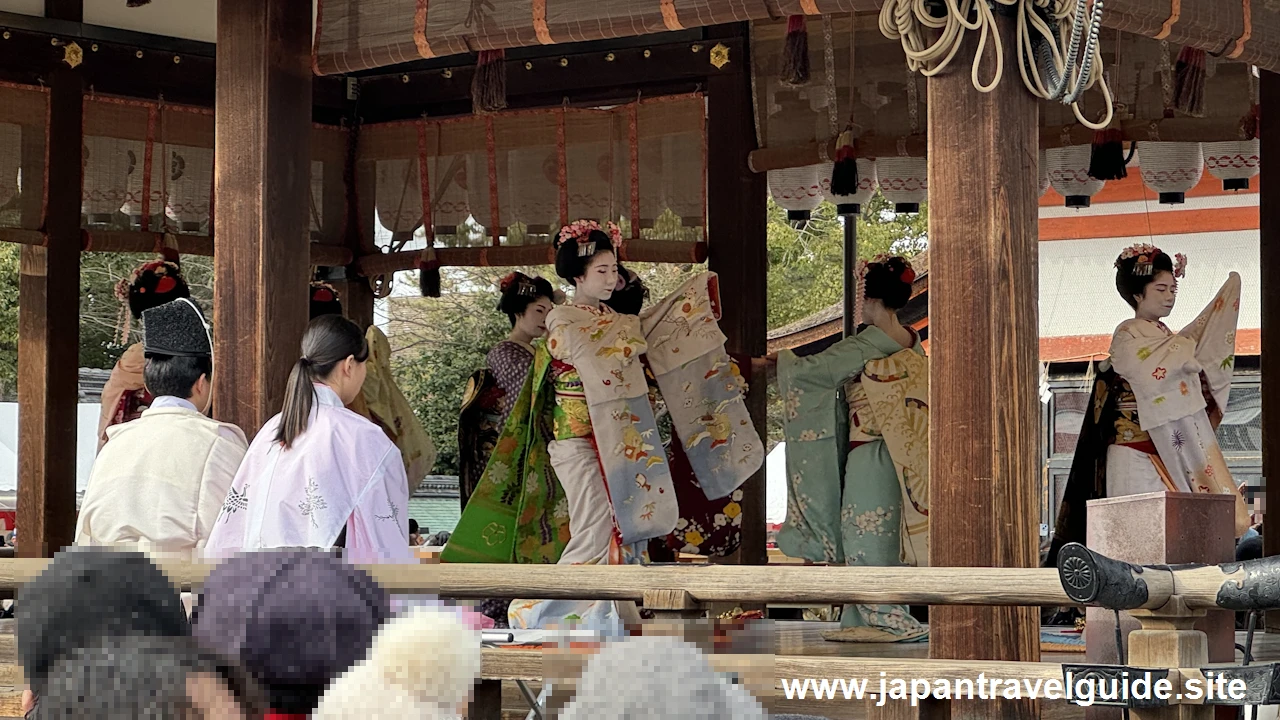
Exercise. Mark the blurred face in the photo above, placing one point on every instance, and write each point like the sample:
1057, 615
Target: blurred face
211, 696
533, 321
1157, 301
600, 277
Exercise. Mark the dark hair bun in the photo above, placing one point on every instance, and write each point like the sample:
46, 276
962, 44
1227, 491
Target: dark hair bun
889, 281
571, 260
1130, 284
154, 284
519, 291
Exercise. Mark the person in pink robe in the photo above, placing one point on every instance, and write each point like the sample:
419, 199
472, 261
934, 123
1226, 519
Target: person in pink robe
318, 474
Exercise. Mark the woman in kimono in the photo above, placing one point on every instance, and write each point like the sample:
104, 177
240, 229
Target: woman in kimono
151, 284
579, 475
856, 422
526, 302
1157, 404
318, 472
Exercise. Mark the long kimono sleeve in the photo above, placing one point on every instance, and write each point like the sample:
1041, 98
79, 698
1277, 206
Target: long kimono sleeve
219, 472
815, 423
1165, 370
379, 527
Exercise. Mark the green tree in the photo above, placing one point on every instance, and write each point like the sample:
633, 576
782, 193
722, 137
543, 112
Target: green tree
9, 321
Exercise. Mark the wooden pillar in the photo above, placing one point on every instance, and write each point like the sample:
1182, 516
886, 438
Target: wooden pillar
261, 187
738, 251
984, 415
1268, 256
49, 339
361, 186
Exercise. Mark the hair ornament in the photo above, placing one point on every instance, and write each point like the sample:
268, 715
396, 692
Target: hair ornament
524, 285
580, 231
1145, 254
908, 273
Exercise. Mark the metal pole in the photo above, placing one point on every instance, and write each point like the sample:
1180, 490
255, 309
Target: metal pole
850, 221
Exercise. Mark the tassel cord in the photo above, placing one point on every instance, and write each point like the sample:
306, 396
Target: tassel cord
1054, 64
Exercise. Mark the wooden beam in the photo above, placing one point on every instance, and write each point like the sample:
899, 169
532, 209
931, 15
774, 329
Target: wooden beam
1269, 360
445, 91
985, 415
519, 255
49, 340
263, 126
738, 252
182, 72
872, 146
138, 241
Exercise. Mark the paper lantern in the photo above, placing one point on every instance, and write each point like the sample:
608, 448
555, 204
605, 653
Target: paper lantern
10, 161
113, 173
1171, 168
189, 186
1069, 174
397, 195
798, 190
1232, 162
1044, 174
852, 204
904, 181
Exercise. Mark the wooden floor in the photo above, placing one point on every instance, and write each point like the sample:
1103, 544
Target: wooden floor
793, 638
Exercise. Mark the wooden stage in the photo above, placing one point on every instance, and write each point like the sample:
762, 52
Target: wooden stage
793, 638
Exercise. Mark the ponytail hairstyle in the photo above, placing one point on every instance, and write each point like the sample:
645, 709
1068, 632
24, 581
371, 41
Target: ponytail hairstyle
579, 242
519, 291
889, 279
329, 340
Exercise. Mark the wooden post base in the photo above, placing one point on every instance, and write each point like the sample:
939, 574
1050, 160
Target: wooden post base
1168, 638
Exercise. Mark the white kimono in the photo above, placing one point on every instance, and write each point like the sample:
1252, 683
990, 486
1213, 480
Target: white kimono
158, 486
342, 471
1165, 371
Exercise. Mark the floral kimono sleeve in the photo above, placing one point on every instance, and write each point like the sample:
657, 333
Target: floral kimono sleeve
810, 386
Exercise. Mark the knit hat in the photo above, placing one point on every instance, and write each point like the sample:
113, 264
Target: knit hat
423, 664
87, 594
657, 677
159, 678
296, 619
177, 329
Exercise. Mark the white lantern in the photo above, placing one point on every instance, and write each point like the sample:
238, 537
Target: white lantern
189, 186
1171, 168
1232, 162
1069, 174
398, 195
798, 190
852, 204
1044, 175
10, 161
904, 181
113, 168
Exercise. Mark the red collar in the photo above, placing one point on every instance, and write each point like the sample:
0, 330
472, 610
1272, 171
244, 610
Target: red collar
283, 716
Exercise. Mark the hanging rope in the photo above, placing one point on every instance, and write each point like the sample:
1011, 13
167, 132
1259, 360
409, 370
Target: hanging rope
1059, 55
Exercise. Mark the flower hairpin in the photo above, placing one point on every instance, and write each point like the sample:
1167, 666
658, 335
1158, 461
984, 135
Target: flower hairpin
524, 285
1144, 256
580, 231
908, 273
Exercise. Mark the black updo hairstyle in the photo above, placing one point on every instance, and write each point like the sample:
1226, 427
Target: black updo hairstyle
1131, 284
519, 291
571, 263
629, 298
889, 282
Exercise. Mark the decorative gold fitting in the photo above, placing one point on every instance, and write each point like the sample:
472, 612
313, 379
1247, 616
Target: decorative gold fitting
720, 55
564, 62
696, 48
404, 78
610, 57
647, 53
528, 66
448, 73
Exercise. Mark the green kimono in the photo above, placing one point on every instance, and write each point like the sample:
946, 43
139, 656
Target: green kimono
857, 481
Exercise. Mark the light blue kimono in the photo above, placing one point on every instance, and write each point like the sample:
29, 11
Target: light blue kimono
842, 506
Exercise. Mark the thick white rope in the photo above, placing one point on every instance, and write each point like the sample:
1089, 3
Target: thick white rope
1067, 63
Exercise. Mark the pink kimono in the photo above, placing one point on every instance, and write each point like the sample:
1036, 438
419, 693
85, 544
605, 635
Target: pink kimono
341, 472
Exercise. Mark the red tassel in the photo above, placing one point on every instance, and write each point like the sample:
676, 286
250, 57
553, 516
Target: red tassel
795, 53
844, 175
489, 86
1188, 81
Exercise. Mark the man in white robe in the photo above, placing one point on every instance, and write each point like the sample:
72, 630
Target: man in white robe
159, 484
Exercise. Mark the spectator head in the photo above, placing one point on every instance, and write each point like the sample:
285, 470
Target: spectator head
158, 678
423, 664
295, 619
660, 677
86, 595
